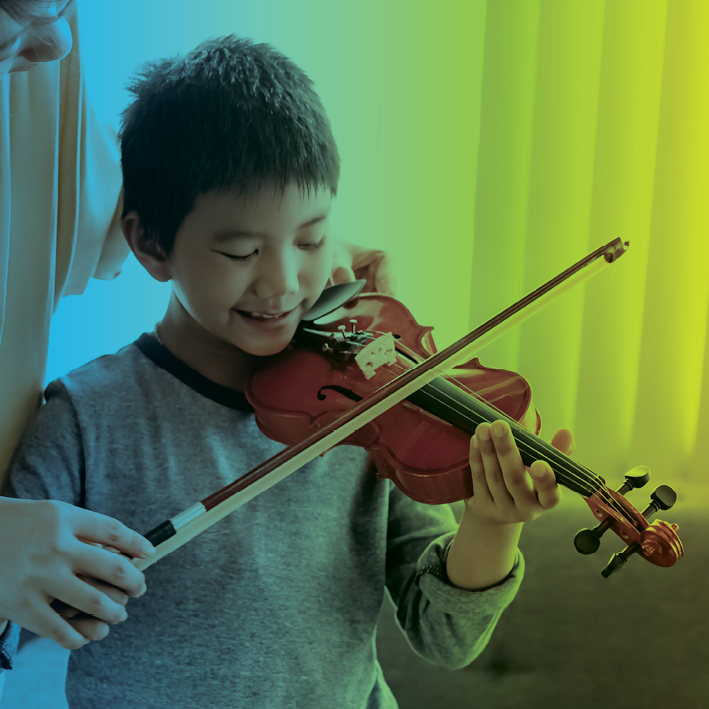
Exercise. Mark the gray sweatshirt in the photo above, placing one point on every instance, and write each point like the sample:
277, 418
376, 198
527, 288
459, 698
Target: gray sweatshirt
277, 604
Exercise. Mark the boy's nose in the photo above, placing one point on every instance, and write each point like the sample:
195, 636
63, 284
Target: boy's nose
277, 279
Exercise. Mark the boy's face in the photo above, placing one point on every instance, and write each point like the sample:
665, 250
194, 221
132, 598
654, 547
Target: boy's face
247, 268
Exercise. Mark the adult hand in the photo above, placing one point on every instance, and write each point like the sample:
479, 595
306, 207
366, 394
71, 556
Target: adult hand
91, 628
352, 262
49, 552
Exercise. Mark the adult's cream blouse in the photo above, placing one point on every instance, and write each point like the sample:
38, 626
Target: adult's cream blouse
60, 188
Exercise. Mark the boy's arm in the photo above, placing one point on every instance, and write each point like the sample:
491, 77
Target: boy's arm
504, 496
451, 586
444, 624
46, 544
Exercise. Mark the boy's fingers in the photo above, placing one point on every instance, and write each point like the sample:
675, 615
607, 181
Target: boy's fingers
481, 492
510, 461
494, 473
95, 527
111, 568
545, 485
564, 441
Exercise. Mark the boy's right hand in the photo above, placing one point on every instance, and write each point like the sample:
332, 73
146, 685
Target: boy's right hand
48, 551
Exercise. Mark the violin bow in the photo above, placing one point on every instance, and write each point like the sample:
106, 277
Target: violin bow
177, 531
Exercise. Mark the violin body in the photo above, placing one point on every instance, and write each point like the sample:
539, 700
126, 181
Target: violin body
309, 385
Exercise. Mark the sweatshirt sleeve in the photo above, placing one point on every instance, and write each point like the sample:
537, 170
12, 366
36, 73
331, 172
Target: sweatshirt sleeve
445, 625
48, 463
8, 647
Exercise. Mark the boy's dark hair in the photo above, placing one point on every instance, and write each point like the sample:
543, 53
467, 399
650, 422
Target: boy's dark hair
231, 115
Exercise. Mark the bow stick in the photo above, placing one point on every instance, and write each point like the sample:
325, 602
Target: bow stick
173, 533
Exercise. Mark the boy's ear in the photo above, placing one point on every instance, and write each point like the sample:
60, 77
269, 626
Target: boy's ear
147, 251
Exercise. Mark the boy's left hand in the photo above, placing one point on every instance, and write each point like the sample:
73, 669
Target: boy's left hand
352, 262
504, 490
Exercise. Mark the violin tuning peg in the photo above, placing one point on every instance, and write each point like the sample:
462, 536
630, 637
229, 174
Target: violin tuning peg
616, 563
635, 478
662, 498
587, 541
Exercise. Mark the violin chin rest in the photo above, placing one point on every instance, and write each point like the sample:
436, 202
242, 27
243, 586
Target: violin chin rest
334, 297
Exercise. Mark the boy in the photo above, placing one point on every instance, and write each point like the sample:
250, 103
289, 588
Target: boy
230, 168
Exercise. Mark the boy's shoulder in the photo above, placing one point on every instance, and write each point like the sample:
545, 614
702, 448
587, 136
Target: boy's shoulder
107, 371
110, 384
143, 375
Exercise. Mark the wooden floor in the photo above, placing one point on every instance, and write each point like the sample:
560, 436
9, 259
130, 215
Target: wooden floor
571, 639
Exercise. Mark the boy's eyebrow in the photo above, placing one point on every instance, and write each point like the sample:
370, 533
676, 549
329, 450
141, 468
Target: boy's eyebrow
225, 235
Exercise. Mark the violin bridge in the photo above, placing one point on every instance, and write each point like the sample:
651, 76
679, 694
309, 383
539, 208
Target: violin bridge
379, 352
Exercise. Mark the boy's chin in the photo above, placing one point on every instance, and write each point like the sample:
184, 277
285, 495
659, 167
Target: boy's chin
264, 347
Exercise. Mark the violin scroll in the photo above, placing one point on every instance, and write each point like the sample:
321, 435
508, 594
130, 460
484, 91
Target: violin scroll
657, 542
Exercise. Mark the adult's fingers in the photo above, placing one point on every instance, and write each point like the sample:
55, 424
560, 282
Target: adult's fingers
95, 527
109, 567
48, 624
377, 268
84, 597
90, 628
384, 276
115, 594
342, 274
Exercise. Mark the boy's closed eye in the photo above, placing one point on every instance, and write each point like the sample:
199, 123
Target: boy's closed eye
242, 259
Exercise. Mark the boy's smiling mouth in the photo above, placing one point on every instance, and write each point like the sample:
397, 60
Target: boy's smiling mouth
267, 317
263, 316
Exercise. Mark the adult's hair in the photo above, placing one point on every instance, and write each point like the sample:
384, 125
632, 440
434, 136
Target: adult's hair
27, 11
230, 116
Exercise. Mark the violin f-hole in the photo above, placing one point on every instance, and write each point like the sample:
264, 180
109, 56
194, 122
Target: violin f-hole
340, 390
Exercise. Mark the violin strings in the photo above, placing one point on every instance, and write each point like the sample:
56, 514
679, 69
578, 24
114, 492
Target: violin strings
560, 465
603, 489
590, 475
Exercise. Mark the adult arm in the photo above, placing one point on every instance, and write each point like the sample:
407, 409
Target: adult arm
51, 547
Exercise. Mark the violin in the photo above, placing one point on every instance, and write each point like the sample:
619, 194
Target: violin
361, 371
421, 444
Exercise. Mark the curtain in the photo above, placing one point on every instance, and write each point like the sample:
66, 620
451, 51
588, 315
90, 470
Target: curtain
593, 126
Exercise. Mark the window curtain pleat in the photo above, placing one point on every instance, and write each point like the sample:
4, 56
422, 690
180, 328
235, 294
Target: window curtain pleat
594, 126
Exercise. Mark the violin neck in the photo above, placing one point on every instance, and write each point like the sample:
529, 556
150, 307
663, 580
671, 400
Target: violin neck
465, 411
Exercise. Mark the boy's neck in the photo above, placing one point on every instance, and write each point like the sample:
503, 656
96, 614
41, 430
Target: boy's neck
213, 358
